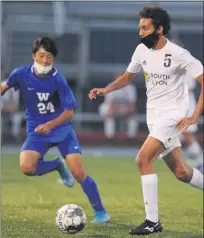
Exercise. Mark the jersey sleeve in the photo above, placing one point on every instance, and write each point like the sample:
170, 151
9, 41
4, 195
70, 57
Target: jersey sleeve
190, 64
12, 80
135, 65
67, 98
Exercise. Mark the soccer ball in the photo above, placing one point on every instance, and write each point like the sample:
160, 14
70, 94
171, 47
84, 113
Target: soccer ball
70, 219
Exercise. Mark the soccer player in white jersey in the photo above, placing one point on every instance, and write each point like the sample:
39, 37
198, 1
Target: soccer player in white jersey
165, 65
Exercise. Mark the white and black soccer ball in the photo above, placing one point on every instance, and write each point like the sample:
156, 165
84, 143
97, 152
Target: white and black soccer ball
70, 219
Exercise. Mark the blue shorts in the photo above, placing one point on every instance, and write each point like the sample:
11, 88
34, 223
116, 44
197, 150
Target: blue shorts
69, 145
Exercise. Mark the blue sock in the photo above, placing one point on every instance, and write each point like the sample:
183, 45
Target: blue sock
44, 167
90, 188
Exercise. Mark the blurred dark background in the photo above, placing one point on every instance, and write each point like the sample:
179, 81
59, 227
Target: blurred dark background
96, 41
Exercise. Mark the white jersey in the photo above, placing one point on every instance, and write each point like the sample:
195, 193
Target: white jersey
164, 72
124, 95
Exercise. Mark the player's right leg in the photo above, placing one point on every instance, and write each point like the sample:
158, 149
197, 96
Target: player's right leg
182, 170
145, 158
71, 151
32, 163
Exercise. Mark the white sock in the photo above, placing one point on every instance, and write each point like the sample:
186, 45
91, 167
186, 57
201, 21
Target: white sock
109, 127
132, 126
150, 195
197, 179
194, 150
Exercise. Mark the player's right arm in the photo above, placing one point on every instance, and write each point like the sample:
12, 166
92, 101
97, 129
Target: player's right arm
123, 80
11, 82
120, 82
4, 88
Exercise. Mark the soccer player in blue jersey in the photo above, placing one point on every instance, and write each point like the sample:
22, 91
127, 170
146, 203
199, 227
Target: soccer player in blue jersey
50, 106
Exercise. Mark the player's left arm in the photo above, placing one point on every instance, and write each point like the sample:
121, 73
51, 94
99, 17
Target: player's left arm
199, 106
68, 103
195, 68
66, 115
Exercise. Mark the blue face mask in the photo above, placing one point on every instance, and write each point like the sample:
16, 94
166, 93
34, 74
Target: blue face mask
151, 40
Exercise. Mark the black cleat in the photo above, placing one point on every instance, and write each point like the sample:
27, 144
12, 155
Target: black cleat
146, 228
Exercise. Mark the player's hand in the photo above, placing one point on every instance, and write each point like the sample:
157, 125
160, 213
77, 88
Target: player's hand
97, 92
43, 128
185, 123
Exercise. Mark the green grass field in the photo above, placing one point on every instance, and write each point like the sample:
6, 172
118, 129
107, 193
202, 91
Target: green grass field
29, 204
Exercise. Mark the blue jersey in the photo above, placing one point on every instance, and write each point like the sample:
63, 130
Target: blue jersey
45, 98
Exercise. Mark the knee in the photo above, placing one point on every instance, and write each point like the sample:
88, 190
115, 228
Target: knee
79, 174
184, 174
142, 160
27, 168
75, 165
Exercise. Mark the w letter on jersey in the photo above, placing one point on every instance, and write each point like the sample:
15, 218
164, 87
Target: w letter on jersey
43, 106
43, 96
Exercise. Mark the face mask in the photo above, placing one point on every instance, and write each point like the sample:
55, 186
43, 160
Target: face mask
150, 40
42, 69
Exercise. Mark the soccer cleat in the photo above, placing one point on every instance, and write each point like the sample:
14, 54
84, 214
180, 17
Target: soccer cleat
66, 176
101, 217
146, 228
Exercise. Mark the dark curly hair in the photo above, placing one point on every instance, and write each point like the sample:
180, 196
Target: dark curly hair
46, 43
159, 17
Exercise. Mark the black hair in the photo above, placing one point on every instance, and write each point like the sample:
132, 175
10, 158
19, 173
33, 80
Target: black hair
46, 43
159, 16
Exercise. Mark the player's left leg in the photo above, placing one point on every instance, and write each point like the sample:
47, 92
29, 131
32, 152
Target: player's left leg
32, 163
70, 149
182, 170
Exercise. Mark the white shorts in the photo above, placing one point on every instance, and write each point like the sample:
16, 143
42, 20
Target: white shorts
162, 126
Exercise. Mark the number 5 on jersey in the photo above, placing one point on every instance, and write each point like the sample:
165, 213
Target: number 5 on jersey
43, 106
167, 60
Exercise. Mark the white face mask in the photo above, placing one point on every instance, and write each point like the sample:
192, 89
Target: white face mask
42, 69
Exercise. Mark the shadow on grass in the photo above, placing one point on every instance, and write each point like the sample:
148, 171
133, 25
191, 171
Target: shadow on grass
42, 229
97, 236
113, 229
175, 234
